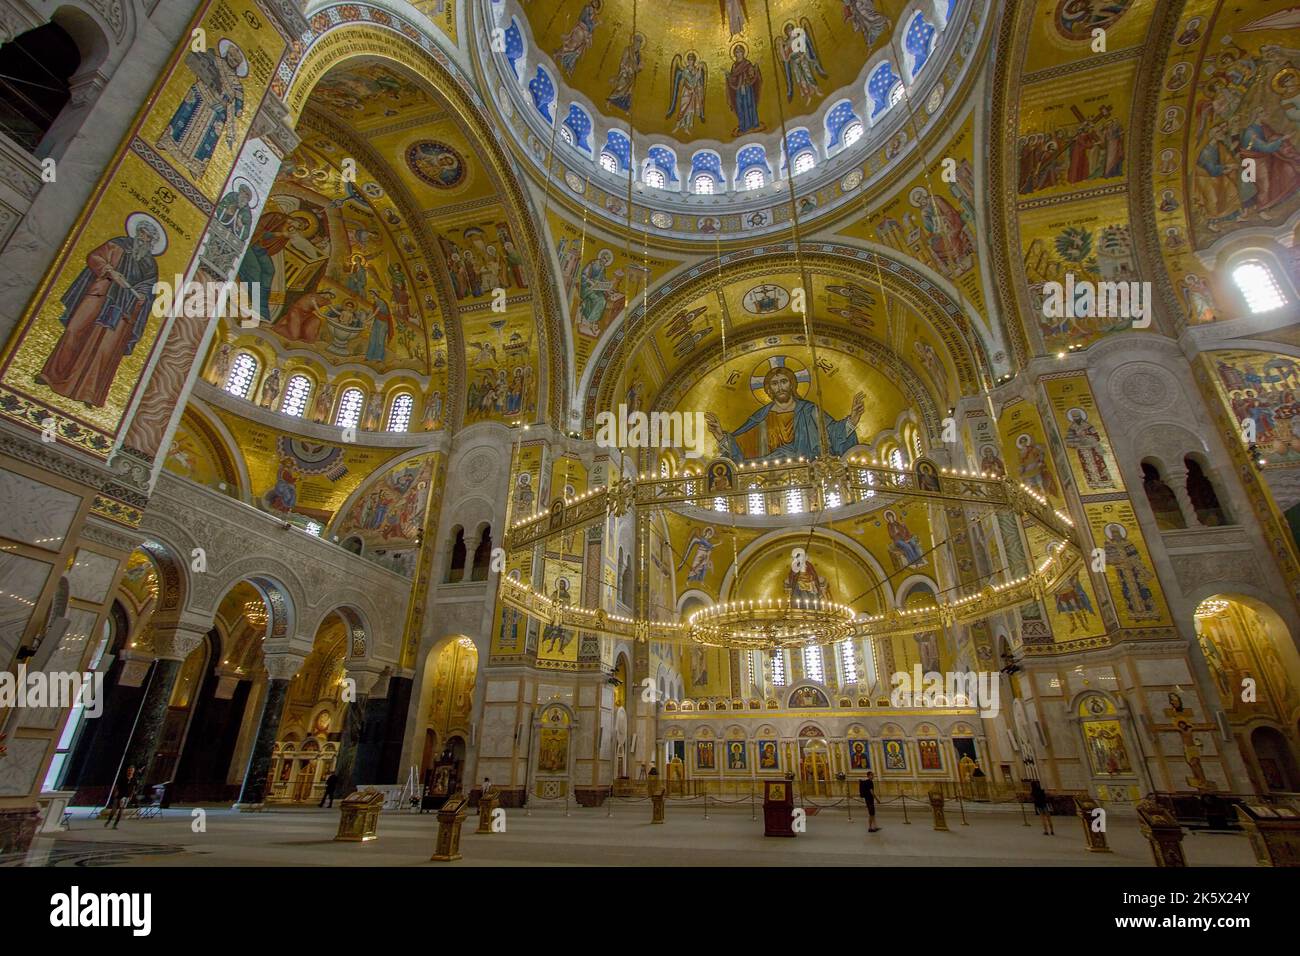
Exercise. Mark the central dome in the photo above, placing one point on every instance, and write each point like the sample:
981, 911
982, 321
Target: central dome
712, 107
702, 69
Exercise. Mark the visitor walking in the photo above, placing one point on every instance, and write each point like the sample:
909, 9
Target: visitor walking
867, 791
1042, 807
331, 784
120, 797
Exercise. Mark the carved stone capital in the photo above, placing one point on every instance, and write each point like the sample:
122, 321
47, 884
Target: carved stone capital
177, 640
274, 125
365, 679
284, 665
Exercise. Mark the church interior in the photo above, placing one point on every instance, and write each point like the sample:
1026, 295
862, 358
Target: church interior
743, 415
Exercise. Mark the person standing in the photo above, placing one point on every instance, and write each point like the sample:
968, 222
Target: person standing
867, 791
120, 797
331, 784
1042, 807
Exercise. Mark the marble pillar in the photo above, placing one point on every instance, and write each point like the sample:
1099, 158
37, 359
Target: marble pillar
354, 726
171, 642
1177, 481
281, 668
150, 718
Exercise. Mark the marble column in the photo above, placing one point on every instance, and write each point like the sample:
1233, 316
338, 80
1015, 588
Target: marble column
281, 668
170, 643
353, 728
1177, 481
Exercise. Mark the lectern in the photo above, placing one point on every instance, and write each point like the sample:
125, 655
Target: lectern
778, 808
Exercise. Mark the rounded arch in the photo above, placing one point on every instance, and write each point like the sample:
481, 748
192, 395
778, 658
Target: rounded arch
965, 343
415, 53
283, 602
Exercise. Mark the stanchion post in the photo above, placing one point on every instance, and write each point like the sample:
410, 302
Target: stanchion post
706, 804
753, 807
962, 806
848, 802
1024, 816
903, 797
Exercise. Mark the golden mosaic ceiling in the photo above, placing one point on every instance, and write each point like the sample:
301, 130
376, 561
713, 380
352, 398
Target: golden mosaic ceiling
686, 44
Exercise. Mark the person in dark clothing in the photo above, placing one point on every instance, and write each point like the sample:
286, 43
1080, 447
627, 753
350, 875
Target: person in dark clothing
1042, 807
867, 791
121, 796
331, 783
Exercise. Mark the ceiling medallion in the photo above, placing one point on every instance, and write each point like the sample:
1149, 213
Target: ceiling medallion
936, 99
661, 219
436, 163
575, 182
851, 182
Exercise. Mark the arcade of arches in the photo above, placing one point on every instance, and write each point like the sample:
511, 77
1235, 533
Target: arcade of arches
363, 523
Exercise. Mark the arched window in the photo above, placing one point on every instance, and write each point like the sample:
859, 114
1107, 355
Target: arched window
804, 162
296, 393
35, 68
832, 497
456, 567
880, 88
1201, 490
608, 162
852, 133
848, 662
399, 416
778, 668
1164, 505
757, 502
867, 477
654, 178
754, 178
896, 460
566, 134
704, 184
918, 43
350, 406
812, 664
482, 556
1255, 281
243, 371
794, 501
896, 94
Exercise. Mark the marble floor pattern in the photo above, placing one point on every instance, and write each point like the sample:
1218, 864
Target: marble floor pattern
547, 837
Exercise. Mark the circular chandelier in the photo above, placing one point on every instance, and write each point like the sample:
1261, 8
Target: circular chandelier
255, 613
766, 624
1210, 607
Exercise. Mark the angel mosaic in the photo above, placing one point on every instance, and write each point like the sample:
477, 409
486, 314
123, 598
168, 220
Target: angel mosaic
798, 52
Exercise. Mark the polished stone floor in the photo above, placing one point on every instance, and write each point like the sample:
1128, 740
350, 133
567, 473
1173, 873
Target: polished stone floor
995, 836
